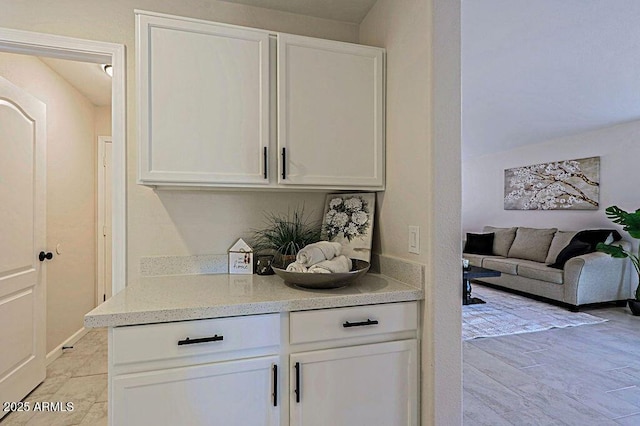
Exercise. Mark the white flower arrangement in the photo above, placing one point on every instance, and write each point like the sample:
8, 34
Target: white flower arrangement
349, 216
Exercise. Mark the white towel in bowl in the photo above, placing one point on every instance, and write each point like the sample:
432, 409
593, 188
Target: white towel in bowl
317, 252
339, 264
296, 267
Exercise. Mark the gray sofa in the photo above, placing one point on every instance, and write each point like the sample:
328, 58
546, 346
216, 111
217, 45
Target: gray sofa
522, 255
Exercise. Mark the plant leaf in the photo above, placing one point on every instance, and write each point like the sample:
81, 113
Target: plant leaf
613, 251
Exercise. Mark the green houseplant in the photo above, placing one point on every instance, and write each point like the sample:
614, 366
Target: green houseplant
630, 222
285, 234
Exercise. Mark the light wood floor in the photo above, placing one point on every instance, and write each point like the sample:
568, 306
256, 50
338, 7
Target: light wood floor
78, 376
585, 375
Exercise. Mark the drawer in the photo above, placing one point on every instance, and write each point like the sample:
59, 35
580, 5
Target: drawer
152, 342
341, 323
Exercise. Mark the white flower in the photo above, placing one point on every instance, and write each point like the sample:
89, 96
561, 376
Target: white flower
353, 204
351, 229
359, 218
330, 215
335, 203
340, 219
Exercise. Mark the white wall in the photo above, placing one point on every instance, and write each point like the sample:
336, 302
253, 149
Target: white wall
71, 151
618, 148
422, 39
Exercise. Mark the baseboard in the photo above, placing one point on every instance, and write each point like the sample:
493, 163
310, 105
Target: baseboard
57, 352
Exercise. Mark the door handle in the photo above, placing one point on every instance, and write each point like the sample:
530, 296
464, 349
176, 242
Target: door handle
297, 389
42, 256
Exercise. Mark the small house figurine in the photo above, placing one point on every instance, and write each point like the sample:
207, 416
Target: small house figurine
241, 258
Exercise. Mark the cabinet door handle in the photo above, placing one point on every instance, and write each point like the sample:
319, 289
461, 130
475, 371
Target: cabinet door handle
275, 385
297, 389
189, 341
284, 163
265, 158
348, 324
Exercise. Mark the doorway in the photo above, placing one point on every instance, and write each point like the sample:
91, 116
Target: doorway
44, 45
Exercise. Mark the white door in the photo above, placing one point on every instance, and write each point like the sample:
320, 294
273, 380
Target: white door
356, 386
330, 113
22, 233
233, 393
204, 102
105, 195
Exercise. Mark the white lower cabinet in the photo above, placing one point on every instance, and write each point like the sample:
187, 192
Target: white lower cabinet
362, 385
225, 393
344, 366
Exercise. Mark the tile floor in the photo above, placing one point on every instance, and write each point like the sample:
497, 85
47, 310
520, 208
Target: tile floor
585, 375
78, 376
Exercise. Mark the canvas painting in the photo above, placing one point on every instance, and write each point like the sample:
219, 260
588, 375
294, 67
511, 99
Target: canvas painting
348, 219
559, 185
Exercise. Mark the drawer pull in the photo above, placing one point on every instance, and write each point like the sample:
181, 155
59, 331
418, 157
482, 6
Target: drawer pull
188, 341
348, 324
297, 389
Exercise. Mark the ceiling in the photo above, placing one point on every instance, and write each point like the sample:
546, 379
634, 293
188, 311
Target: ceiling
352, 11
87, 78
537, 70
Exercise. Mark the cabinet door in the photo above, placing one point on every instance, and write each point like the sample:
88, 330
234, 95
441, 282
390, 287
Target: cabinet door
226, 393
360, 385
204, 102
330, 113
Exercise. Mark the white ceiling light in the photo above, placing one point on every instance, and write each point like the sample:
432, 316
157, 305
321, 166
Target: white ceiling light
108, 68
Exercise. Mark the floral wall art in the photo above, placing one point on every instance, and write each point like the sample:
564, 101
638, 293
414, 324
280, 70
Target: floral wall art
348, 219
568, 184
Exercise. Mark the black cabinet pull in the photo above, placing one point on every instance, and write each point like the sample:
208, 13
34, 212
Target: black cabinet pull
348, 324
284, 163
42, 256
189, 341
297, 390
275, 385
265, 159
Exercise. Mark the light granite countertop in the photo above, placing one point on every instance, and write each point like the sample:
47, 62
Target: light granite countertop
190, 297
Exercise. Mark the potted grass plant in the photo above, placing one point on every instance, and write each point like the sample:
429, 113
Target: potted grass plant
630, 222
285, 234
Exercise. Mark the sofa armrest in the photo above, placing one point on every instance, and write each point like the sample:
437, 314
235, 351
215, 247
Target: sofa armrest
596, 277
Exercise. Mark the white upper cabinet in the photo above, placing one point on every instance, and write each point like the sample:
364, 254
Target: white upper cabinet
204, 102
207, 116
330, 113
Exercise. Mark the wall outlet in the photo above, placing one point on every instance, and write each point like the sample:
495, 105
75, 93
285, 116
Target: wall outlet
414, 239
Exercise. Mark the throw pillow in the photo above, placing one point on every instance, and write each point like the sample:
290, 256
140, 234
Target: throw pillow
595, 236
532, 244
503, 239
560, 240
479, 244
575, 248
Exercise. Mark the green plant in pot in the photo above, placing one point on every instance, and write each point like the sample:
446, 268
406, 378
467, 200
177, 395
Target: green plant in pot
285, 234
630, 222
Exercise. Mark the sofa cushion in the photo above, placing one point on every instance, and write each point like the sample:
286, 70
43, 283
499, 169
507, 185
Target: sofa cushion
478, 259
479, 243
575, 248
508, 266
560, 240
540, 271
532, 243
502, 240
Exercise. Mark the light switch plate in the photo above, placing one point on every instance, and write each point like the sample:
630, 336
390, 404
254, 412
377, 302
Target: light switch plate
414, 239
